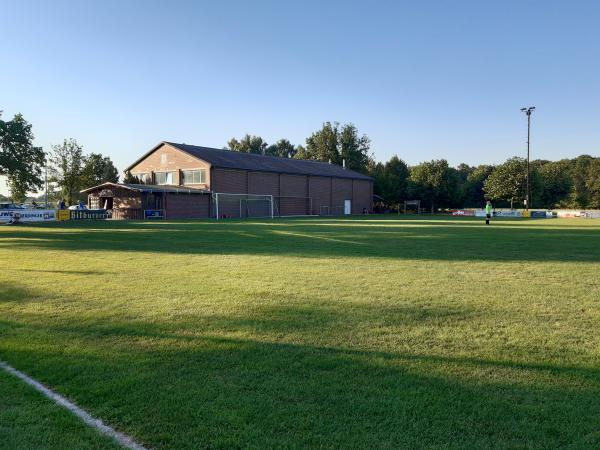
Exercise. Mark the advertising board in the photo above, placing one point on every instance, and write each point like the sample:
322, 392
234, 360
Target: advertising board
462, 212
27, 215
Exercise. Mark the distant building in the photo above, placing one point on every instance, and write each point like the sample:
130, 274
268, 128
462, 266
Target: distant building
186, 181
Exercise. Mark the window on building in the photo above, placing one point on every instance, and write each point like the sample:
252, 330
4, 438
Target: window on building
163, 177
145, 178
194, 176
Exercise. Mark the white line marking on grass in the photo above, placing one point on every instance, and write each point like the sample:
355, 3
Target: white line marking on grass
121, 438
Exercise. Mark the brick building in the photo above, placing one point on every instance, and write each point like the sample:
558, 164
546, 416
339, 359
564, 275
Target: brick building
184, 180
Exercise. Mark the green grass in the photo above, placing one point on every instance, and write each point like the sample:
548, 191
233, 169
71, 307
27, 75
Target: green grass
355, 333
29, 421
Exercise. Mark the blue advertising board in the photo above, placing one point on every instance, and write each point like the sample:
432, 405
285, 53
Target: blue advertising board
154, 214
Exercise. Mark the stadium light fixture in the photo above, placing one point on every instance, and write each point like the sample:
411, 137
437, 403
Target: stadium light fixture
528, 112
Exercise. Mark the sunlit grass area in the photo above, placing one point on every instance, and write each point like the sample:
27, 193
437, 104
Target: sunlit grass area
335, 333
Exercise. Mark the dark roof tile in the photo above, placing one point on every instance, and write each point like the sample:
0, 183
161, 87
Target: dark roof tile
228, 159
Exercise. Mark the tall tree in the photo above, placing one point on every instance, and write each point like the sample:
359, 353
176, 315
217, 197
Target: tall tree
67, 162
472, 188
248, 144
393, 179
508, 182
282, 148
98, 169
20, 161
593, 184
338, 144
354, 149
556, 183
580, 195
434, 183
323, 145
17, 189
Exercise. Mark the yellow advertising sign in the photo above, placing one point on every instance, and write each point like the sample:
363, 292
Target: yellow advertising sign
63, 214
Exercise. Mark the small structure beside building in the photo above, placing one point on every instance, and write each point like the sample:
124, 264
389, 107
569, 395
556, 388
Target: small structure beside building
140, 201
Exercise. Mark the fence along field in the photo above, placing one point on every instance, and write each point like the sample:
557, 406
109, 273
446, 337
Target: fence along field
399, 332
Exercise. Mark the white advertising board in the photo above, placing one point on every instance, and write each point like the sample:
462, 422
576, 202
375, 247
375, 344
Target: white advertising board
28, 215
499, 213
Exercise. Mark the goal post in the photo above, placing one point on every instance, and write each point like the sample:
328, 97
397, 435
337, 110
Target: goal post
227, 205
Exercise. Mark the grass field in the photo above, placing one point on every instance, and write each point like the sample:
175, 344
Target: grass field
349, 333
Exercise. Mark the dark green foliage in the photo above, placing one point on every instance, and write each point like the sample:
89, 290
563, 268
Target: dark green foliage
391, 180
592, 184
131, 179
248, 144
472, 188
434, 183
20, 161
282, 148
580, 195
73, 171
337, 145
556, 183
508, 182
98, 169
66, 169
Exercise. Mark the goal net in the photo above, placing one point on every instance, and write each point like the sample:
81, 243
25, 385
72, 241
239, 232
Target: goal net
242, 205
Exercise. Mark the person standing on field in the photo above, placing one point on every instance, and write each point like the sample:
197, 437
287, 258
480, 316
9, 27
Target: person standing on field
488, 212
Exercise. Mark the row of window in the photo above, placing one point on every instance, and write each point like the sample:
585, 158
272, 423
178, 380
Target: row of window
188, 177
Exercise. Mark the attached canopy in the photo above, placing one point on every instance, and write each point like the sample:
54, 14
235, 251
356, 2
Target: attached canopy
149, 188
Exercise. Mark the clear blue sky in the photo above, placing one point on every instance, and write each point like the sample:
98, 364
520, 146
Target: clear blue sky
423, 79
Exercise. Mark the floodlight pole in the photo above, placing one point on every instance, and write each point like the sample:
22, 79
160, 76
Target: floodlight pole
528, 112
46, 186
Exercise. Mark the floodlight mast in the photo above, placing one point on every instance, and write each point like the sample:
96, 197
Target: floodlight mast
528, 112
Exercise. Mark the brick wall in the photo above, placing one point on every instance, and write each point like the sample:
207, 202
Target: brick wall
320, 192
182, 206
231, 181
263, 183
341, 190
361, 196
169, 159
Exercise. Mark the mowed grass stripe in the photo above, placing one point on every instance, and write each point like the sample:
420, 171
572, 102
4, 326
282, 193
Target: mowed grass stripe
358, 332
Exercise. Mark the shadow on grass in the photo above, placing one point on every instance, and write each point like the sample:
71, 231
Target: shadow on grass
395, 239
218, 392
266, 378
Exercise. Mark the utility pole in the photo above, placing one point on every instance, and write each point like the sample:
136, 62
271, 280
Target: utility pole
46, 184
528, 112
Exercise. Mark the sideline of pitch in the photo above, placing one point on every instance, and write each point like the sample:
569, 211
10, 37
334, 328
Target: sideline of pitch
91, 421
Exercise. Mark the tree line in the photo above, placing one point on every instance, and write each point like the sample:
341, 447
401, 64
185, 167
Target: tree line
68, 169
568, 183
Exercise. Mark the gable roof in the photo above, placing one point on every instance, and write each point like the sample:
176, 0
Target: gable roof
227, 159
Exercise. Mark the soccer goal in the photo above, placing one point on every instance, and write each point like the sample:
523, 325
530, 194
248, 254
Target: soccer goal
227, 205
409, 204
